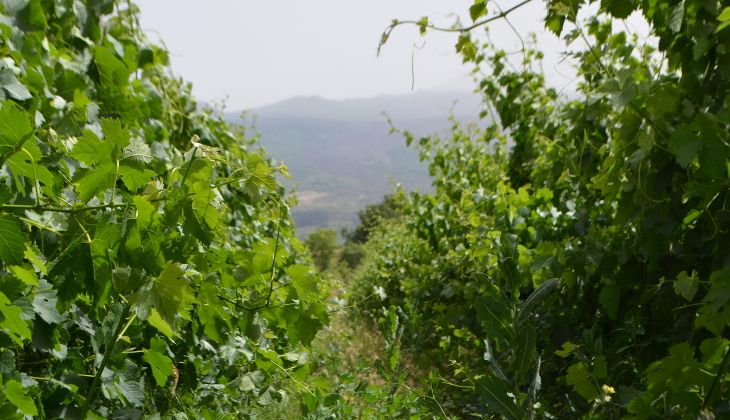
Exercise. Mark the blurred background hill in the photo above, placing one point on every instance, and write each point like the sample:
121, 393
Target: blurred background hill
340, 153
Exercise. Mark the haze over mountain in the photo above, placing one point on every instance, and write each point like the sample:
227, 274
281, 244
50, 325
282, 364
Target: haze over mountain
340, 153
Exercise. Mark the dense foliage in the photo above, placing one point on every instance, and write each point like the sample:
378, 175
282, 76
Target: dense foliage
574, 258
147, 258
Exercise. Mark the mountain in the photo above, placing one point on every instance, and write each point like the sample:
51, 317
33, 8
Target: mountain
340, 153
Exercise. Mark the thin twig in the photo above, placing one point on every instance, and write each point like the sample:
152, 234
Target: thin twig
469, 28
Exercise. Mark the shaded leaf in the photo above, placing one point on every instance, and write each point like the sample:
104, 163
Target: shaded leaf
12, 240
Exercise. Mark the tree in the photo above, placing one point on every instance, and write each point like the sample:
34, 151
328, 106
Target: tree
322, 244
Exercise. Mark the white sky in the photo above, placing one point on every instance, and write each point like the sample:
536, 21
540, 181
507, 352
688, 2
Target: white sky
255, 52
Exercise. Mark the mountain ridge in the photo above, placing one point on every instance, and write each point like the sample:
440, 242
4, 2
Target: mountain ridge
341, 153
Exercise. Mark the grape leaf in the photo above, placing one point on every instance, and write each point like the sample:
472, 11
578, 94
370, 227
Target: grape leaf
7, 362
104, 247
25, 163
134, 175
686, 286
160, 364
685, 144
478, 9
12, 240
724, 19
91, 150
579, 378
12, 85
169, 294
113, 70
117, 136
90, 183
25, 275
304, 281
17, 394
15, 125
12, 322
162, 326
137, 151
44, 303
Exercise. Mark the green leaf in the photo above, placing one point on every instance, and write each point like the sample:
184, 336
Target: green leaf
579, 377
478, 9
724, 19
137, 151
12, 85
17, 394
566, 350
496, 393
12, 240
535, 297
113, 70
304, 281
92, 182
134, 175
36, 258
15, 126
610, 298
7, 362
169, 294
25, 275
116, 135
620, 9
44, 303
160, 364
493, 362
126, 385
12, 322
91, 150
160, 324
25, 163
675, 21
685, 145
34, 15
466, 47
686, 286
104, 247
525, 350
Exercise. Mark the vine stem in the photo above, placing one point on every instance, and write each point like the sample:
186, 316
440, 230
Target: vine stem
273, 269
395, 24
41, 208
187, 168
107, 354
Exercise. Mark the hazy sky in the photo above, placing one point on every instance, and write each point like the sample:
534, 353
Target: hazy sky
256, 52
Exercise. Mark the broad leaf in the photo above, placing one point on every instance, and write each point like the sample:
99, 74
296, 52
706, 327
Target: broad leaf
160, 364
12, 322
18, 395
12, 240
15, 126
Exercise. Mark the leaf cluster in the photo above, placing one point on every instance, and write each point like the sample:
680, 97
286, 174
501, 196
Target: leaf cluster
148, 263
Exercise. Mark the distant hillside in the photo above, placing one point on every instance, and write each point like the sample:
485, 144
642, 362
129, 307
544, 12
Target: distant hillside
416, 106
340, 154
